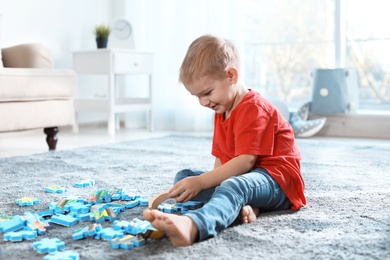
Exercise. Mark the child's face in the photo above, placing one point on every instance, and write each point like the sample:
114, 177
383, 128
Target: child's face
216, 94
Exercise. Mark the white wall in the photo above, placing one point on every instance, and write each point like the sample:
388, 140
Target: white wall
63, 25
165, 28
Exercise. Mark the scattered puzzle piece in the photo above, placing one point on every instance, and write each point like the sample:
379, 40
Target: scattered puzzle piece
131, 204
64, 220
102, 212
35, 223
27, 201
88, 231
127, 242
109, 233
84, 183
138, 227
55, 189
65, 255
16, 223
47, 245
18, 236
4, 218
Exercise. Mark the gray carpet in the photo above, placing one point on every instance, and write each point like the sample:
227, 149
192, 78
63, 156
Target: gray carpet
347, 216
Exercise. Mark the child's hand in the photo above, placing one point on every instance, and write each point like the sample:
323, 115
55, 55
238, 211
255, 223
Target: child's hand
186, 189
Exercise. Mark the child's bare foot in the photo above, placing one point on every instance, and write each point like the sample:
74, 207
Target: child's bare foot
249, 214
181, 230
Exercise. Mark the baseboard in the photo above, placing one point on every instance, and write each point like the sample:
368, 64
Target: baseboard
355, 125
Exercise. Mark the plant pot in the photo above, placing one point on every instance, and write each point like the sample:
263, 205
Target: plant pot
101, 43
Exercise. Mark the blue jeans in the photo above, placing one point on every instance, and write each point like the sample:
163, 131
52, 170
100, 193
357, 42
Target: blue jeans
223, 204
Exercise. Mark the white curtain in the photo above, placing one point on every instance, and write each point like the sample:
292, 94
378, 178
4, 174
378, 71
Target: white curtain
167, 28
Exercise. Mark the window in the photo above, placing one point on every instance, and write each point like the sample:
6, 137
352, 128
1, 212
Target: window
368, 50
285, 40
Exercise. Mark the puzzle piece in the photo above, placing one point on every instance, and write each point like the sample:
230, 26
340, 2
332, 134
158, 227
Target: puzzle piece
100, 196
4, 218
131, 204
27, 201
64, 220
47, 245
88, 231
46, 213
16, 223
82, 216
101, 212
129, 197
170, 208
65, 255
127, 242
139, 227
79, 207
143, 201
84, 183
34, 223
109, 233
18, 236
55, 189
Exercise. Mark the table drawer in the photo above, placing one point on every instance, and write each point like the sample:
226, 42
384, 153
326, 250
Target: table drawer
132, 63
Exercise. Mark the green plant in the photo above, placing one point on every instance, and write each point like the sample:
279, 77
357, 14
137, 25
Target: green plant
102, 31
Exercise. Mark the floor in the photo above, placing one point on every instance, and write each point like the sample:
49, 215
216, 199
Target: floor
33, 141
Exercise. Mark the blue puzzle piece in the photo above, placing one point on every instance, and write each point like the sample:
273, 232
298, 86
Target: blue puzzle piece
127, 242
129, 197
64, 220
79, 207
82, 216
46, 213
84, 183
34, 223
131, 204
143, 201
139, 227
121, 224
16, 223
47, 245
99, 215
27, 201
4, 218
18, 236
109, 233
191, 205
55, 189
89, 231
170, 208
64, 255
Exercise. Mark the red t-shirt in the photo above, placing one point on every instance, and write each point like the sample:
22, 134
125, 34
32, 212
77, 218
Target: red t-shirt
256, 127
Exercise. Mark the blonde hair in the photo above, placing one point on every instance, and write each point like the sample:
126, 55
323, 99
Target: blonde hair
208, 56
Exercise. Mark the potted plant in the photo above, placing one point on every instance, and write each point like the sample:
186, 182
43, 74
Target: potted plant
102, 32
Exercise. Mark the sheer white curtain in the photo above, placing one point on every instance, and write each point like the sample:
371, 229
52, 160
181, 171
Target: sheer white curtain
167, 28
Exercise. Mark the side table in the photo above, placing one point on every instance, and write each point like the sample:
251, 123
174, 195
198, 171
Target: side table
114, 62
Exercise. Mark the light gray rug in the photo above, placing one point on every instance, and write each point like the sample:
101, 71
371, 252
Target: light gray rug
347, 216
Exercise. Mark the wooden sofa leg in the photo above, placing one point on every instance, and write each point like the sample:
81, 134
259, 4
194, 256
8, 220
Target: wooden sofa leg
51, 139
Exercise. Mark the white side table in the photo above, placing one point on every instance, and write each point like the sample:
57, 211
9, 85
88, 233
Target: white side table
113, 62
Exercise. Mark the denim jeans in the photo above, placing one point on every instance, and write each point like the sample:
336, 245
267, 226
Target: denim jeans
223, 204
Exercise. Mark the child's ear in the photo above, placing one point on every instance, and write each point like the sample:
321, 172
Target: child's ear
232, 74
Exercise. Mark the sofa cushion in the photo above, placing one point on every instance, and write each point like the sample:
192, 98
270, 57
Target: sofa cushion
29, 55
17, 84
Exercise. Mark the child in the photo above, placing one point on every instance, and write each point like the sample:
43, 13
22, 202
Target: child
257, 164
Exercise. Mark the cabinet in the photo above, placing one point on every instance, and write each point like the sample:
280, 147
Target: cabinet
114, 62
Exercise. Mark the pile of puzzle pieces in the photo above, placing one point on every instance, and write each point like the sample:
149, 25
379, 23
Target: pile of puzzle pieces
102, 205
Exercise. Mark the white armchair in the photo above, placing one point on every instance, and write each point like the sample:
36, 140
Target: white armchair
33, 94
